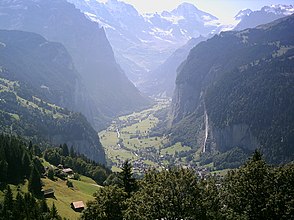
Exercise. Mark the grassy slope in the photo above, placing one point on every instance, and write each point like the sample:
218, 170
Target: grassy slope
83, 190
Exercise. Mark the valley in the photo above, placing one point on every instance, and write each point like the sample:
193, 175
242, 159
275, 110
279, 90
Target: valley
130, 137
112, 111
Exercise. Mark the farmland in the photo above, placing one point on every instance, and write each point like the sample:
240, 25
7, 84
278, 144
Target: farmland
129, 137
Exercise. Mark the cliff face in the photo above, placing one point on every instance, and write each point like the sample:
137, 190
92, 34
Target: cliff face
225, 139
240, 80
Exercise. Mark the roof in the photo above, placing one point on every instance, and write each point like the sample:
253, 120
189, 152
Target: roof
67, 170
78, 204
48, 191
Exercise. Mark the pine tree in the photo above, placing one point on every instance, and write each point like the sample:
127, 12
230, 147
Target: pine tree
8, 204
54, 213
65, 151
35, 184
43, 206
31, 147
51, 174
126, 176
19, 205
25, 162
3, 171
72, 152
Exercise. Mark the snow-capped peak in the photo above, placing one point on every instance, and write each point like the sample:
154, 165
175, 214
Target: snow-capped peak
243, 13
279, 9
186, 7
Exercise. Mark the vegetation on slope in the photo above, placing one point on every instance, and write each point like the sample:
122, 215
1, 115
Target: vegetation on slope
40, 121
239, 79
255, 191
23, 172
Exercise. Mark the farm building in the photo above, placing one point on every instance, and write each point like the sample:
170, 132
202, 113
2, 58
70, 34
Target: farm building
48, 193
78, 206
68, 171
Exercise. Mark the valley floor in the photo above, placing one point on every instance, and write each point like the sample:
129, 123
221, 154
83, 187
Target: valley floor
128, 137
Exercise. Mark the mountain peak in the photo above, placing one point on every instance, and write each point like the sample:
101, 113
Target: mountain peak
241, 14
185, 8
279, 9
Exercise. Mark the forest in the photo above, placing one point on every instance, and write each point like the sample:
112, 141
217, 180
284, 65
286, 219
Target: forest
256, 190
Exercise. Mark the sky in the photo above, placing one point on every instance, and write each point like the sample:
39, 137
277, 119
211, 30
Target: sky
223, 9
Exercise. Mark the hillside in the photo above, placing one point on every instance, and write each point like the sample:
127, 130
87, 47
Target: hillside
234, 90
33, 85
109, 91
26, 172
83, 190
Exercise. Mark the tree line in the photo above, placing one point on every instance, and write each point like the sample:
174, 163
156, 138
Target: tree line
18, 161
78, 162
26, 207
255, 191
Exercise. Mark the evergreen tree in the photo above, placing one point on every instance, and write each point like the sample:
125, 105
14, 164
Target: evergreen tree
65, 151
126, 176
72, 152
36, 150
43, 206
35, 184
19, 205
26, 161
30, 147
8, 204
51, 174
3, 171
54, 213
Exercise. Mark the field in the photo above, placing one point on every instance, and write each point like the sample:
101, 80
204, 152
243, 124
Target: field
128, 137
83, 190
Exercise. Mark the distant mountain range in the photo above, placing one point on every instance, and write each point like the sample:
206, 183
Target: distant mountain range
143, 42
146, 44
250, 19
161, 81
102, 89
235, 91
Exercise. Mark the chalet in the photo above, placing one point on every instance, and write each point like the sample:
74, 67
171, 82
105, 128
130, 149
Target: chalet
78, 206
48, 193
68, 171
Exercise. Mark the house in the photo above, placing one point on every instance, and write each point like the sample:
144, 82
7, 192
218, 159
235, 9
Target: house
60, 166
78, 206
68, 171
48, 193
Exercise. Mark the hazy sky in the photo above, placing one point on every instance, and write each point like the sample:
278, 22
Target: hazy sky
223, 9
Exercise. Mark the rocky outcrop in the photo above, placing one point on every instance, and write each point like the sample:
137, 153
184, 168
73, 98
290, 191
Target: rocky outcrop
224, 139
